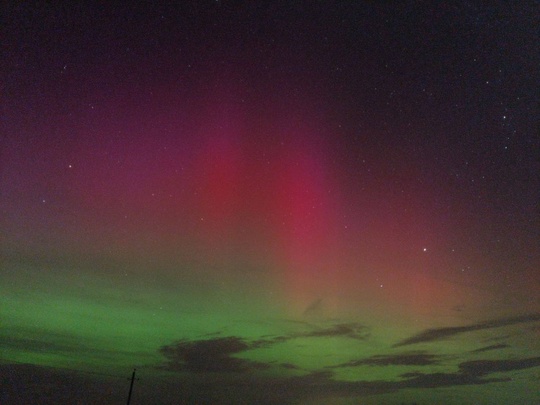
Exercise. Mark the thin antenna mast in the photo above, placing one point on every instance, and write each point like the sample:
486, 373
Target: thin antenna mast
131, 386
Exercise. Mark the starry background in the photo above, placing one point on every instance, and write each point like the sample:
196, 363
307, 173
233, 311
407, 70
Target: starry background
293, 202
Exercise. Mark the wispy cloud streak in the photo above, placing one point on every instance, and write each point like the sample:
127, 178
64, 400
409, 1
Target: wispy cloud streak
435, 334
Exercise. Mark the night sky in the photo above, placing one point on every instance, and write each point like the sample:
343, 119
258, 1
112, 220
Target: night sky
271, 202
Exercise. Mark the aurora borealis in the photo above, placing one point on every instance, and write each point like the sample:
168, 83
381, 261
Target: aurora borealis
294, 202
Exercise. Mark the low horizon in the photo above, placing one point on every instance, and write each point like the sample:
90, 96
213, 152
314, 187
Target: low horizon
285, 203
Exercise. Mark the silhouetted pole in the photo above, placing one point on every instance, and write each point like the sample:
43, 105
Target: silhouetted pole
131, 386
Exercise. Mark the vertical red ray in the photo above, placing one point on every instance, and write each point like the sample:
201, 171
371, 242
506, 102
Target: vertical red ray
304, 215
217, 183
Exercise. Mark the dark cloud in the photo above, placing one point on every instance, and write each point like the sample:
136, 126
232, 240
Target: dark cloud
37, 345
213, 355
213, 370
407, 359
314, 309
33, 384
269, 341
39, 340
320, 384
483, 367
290, 366
497, 338
431, 335
492, 347
469, 373
438, 380
346, 330
60, 386
349, 330
315, 377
